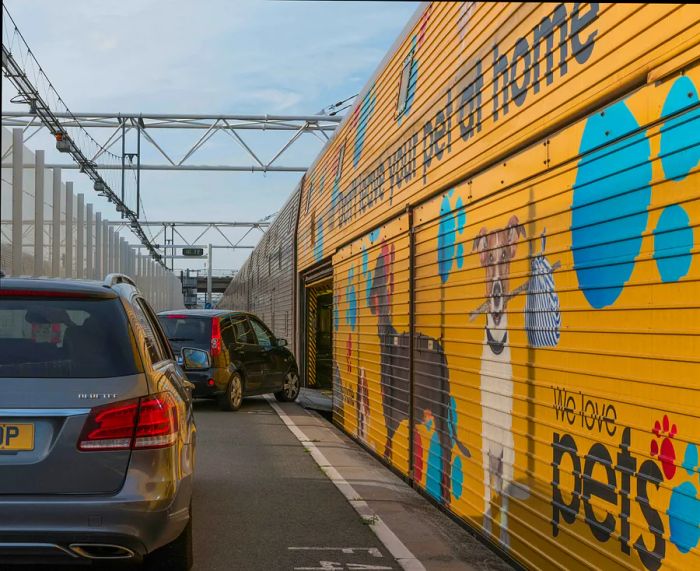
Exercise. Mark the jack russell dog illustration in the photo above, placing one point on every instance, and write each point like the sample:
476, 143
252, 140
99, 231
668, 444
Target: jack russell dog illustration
496, 249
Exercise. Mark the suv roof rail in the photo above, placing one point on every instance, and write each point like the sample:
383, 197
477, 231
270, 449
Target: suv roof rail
112, 279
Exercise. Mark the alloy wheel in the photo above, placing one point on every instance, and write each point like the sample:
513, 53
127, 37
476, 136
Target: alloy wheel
236, 392
291, 386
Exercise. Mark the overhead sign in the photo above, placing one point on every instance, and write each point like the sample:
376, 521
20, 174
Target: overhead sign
193, 251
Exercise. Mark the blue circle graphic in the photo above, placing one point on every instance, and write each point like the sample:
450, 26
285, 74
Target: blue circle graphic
680, 136
673, 241
611, 196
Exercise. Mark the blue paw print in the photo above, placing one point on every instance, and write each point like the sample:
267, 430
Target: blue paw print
452, 222
680, 153
351, 311
684, 508
611, 196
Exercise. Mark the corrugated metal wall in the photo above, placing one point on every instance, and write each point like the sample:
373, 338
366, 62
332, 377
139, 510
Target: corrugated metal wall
371, 343
265, 283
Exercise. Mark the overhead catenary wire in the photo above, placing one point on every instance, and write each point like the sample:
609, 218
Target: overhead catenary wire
36, 90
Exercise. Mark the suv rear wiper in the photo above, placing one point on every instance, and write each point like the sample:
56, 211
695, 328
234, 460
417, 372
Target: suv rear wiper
180, 339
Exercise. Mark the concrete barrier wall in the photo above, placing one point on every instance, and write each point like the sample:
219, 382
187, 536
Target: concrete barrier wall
48, 229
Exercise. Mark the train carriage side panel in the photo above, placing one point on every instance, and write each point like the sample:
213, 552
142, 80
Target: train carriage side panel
265, 283
564, 424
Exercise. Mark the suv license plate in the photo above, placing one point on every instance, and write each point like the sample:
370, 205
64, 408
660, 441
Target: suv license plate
15, 436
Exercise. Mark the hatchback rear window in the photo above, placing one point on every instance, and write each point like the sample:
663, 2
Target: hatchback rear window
65, 338
187, 331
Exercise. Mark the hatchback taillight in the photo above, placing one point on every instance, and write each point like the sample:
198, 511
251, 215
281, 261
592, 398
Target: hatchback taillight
216, 341
148, 422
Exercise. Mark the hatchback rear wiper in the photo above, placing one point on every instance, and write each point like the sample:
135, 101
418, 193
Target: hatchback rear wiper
180, 339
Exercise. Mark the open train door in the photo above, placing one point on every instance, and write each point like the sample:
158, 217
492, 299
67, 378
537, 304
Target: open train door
317, 336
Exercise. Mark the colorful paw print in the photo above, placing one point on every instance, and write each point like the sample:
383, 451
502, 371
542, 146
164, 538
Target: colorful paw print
684, 507
666, 453
453, 219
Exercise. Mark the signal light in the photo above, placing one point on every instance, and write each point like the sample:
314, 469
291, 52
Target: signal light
210, 382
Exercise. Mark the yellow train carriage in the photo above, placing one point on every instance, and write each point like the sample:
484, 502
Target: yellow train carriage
512, 214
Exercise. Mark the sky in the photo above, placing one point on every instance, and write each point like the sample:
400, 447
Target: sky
208, 56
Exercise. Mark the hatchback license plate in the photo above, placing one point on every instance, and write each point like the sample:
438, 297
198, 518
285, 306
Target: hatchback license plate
16, 436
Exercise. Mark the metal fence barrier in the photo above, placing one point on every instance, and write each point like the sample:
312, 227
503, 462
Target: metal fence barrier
46, 229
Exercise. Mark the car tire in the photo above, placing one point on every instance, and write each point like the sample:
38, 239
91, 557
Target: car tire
178, 555
232, 398
290, 391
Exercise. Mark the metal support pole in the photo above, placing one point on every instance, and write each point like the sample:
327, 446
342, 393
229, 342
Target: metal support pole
97, 269
123, 157
89, 251
39, 214
80, 238
122, 263
127, 257
105, 251
69, 231
17, 187
149, 280
56, 229
109, 260
139, 268
209, 268
138, 169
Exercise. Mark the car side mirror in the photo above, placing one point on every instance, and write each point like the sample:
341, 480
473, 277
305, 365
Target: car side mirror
282, 342
195, 359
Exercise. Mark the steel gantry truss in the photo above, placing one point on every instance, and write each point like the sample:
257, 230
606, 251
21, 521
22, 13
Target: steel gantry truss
144, 124
168, 246
101, 159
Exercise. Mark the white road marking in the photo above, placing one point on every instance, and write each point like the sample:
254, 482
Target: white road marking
336, 566
394, 545
373, 551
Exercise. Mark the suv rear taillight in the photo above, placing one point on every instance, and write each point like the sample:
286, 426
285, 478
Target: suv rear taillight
148, 422
216, 340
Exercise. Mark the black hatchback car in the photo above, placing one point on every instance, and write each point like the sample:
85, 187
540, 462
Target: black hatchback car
246, 358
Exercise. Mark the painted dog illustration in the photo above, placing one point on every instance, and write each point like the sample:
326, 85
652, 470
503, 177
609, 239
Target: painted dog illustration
432, 397
496, 249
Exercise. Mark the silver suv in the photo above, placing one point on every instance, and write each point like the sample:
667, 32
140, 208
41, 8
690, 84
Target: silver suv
97, 435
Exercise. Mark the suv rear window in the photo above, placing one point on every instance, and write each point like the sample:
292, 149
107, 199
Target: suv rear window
187, 331
65, 338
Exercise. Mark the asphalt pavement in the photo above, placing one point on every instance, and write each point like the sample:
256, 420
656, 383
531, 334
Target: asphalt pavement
283, 489
262, 503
